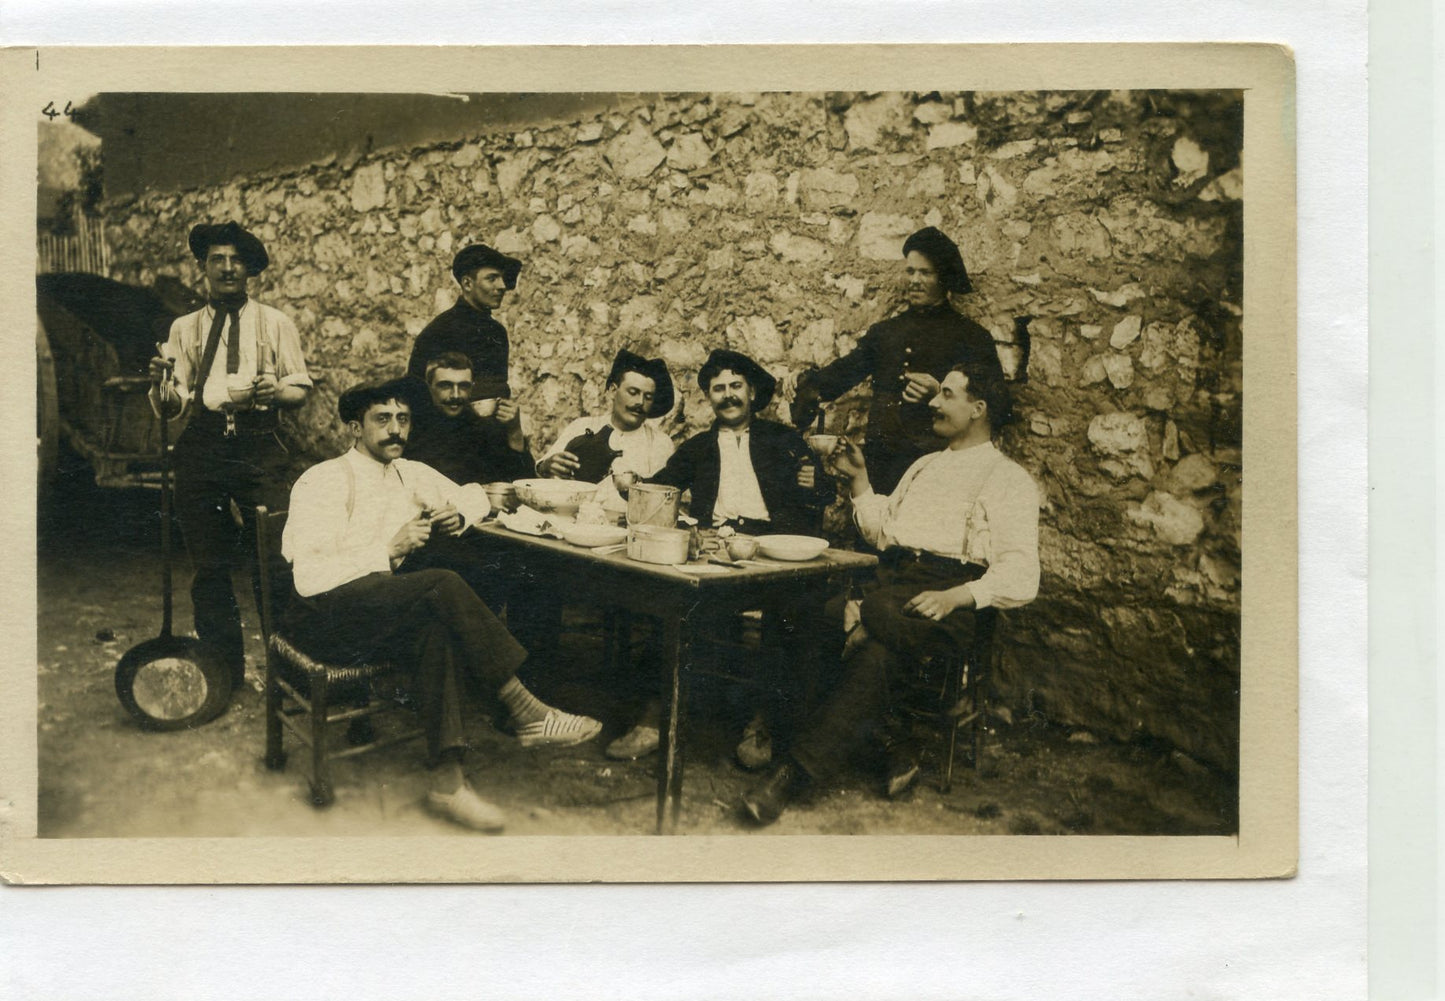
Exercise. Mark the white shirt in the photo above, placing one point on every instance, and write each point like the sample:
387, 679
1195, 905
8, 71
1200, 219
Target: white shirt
972, 505
345, 511
258, 322
738, 493
645, 450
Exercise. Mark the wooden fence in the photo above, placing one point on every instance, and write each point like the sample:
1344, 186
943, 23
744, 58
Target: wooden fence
84, 250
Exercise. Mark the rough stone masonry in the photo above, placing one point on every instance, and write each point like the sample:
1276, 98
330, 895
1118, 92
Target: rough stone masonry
1103, 232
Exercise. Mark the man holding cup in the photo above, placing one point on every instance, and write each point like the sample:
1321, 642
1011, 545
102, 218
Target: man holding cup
230, 366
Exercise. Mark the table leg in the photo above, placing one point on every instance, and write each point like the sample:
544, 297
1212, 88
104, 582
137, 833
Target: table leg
676, 639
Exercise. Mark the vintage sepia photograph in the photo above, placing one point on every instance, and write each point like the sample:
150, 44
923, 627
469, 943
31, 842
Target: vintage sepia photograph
749, 466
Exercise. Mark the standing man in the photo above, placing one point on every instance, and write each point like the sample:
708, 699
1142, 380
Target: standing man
232, 365
958, 534
906, 356
360, 536
619, 441
485, 276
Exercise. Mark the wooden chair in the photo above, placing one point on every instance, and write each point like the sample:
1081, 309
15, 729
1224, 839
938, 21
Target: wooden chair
952, 693
308, 696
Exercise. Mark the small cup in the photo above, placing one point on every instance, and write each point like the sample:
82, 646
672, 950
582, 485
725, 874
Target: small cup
484, 408
240, 388
623, 479
742, 547
823, 444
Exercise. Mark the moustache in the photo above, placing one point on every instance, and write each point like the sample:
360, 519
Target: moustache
731, 401
394, 440
639, 411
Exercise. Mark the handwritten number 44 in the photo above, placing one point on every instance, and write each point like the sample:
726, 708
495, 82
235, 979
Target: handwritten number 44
49, 111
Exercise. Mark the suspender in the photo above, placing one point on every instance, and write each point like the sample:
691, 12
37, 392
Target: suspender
351, 487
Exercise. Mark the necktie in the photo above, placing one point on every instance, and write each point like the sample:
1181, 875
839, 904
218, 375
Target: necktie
222, 308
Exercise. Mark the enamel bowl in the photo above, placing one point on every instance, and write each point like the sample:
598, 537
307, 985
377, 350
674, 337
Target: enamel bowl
560, 496
793, 548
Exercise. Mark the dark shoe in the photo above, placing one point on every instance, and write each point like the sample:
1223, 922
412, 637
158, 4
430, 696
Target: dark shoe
755, 751
766, 802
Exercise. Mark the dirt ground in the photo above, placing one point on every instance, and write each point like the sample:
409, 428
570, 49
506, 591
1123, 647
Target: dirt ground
100, 776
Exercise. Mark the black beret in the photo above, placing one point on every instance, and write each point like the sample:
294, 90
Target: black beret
354, 403
651, 368
758, 377
207, 235
943, 252
479, 255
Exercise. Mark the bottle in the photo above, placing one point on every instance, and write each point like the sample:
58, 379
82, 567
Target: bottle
266, 366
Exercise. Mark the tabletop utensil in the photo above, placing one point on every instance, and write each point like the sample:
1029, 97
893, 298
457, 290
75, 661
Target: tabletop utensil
653, 504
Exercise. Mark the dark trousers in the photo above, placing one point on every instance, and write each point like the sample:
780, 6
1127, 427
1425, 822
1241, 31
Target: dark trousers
864, 686
429, 619
212, 470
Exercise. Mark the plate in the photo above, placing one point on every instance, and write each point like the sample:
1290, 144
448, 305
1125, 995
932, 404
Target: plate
593, 536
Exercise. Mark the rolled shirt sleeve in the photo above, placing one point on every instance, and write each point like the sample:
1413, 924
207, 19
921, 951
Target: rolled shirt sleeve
434, 489
1012, 513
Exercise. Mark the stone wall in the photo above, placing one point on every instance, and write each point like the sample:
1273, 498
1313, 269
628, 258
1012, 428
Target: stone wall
1102, 230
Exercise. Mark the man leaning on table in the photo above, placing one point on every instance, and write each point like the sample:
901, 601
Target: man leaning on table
358, 535
959, 533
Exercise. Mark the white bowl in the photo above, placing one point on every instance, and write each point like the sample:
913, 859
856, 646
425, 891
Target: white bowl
793, 548
561, 496
592, 536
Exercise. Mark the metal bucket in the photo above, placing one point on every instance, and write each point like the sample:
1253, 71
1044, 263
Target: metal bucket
652, 504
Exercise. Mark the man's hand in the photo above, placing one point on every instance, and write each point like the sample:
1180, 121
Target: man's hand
807, 477
409, 538
806, 400
919, 387
563, 465
849, 462
447, 520
264, 387
936, 605
508, 412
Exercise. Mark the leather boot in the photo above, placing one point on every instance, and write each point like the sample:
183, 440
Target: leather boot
766, 802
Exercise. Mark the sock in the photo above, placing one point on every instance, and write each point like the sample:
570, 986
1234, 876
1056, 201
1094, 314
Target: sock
448, 777
522, 704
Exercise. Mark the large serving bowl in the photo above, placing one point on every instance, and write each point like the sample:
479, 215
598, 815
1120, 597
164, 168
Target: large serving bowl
592, 536
561, 496
793, 548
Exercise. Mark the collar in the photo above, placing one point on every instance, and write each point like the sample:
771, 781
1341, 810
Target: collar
978, 451
938, 309
365, 463
467, 307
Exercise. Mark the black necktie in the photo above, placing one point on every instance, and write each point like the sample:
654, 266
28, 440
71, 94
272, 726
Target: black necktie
222, 308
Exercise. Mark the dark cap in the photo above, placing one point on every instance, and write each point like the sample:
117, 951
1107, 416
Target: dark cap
943, 252
758, 377
356, 401
651, 368
207, 235
479, 255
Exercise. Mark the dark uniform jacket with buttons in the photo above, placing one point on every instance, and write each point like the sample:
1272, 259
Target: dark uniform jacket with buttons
929, 339
473, 332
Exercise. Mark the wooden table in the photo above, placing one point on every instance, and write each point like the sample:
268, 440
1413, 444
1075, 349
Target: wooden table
679, 600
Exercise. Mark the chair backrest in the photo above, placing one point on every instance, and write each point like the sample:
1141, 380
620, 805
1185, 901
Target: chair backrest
274, 572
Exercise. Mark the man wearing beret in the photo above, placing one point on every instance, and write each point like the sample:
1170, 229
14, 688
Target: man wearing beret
485, 276
368, 538
232, 365
620, 441
907, 357
753, 475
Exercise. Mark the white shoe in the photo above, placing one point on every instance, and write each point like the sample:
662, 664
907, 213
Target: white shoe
465, 807
558, 729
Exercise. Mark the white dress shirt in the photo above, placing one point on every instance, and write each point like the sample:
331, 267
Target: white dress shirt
738, 493
971, 504
258, 323
345, 511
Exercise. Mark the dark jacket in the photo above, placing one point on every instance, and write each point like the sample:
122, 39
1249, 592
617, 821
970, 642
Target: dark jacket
777, 452
474, 333
929, 339
466, 449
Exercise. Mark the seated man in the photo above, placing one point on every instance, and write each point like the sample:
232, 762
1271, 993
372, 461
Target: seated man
754, 475
620, 441
453, 439
358, 536
960, 532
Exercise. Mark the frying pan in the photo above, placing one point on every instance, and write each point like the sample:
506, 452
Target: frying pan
171, 682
